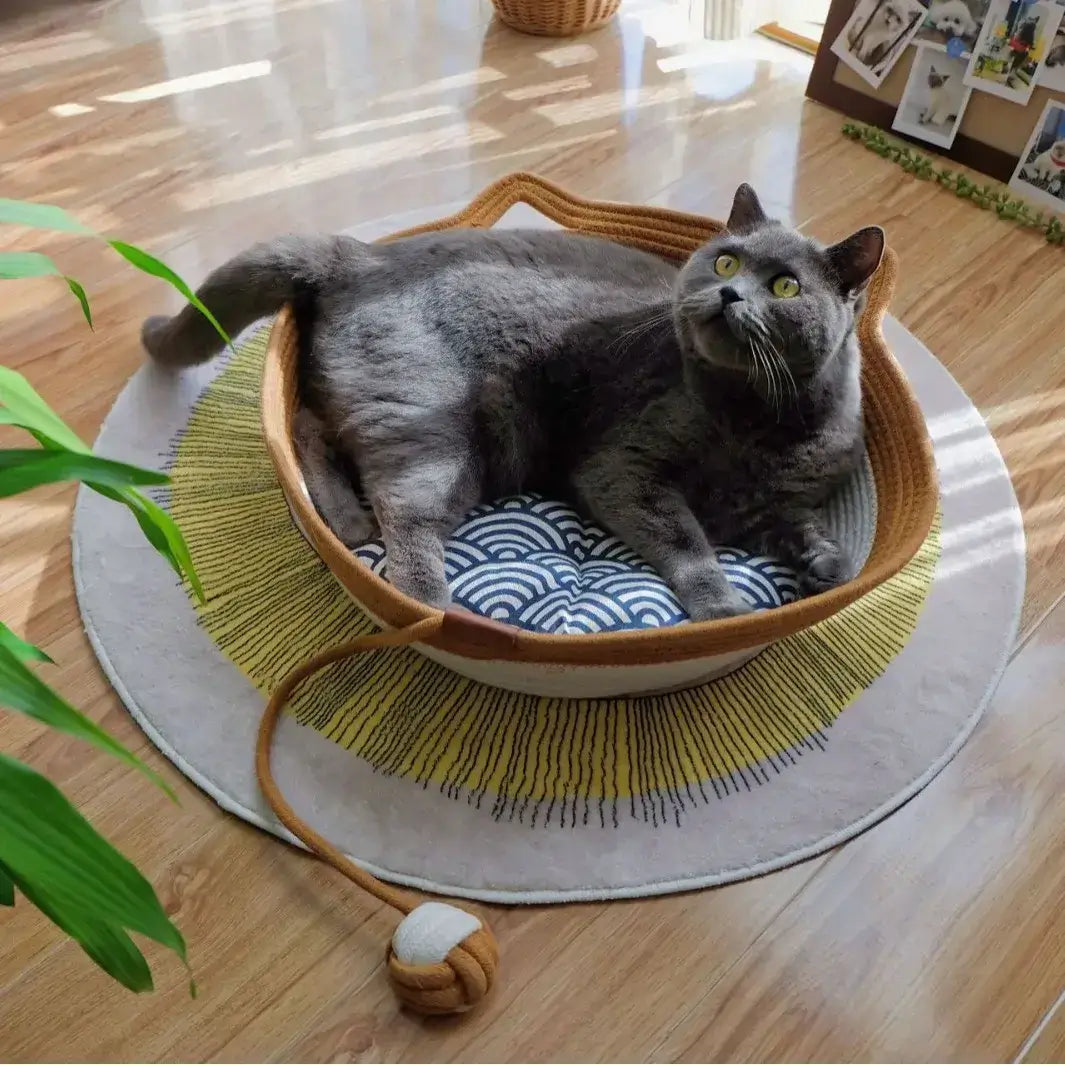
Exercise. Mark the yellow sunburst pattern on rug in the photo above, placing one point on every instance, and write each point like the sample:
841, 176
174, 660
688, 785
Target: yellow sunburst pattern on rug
272, 603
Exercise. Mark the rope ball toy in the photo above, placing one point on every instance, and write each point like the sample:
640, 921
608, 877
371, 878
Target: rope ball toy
441, 959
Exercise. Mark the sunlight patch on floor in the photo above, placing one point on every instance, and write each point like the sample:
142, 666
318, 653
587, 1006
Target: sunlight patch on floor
206, 79
45, 51
307, 171
608, 104
220, 13
480, 76
568, 55
336, 132
717, 53
549, 88
70, 110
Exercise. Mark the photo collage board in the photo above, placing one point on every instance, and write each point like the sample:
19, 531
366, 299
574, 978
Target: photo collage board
1005, 48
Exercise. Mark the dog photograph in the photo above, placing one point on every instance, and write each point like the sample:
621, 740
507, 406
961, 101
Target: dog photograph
934, 99
876, 35
1040, 173
1013, 46
952, 20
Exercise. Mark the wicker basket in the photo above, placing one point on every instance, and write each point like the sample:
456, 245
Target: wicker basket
556, 18
643, 660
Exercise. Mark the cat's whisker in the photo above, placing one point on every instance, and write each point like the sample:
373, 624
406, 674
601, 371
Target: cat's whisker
752, 363
758, 326
644, 324
791, 377
771, 341
778, 384
780, 370
638, 331
767, 372
785, 370
630, 339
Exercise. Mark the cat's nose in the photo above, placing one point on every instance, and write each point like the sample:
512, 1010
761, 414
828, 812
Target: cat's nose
729, 295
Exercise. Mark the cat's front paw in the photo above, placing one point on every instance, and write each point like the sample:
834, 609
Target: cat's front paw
826, 567
353, 528
716, 608
420, 583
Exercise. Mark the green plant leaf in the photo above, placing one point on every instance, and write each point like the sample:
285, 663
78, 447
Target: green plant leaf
46, 844
22, 690
24, 407
76, 878
79, 295
33, 264
23, 651
21, 470
161, 531
40, 216
151, 265
107, 944
7, 887
18, 265
21, 405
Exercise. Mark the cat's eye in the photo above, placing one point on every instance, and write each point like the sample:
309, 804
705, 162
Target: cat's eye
726, 265
785, 286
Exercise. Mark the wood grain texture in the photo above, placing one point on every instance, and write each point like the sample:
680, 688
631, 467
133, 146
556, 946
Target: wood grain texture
936, 935
1048, 1040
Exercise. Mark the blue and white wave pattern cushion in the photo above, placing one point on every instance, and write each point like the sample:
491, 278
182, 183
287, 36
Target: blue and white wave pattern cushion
536, 564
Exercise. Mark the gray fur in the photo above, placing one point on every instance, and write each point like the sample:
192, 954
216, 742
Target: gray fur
680, 409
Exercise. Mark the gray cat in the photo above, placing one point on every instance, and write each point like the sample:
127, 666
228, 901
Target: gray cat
715, 404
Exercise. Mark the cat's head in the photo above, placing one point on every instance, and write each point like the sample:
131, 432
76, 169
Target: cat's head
891, 15
936, 78
760, 289
1057, 152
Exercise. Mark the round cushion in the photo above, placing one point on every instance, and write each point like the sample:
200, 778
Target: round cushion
537, 564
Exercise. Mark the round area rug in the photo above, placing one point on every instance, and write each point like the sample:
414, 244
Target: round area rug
432, 780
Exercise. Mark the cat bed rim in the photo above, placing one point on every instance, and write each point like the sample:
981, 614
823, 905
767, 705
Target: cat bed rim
896, 437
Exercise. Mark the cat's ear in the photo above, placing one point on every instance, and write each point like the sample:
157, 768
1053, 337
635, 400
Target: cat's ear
746, 213
855, 259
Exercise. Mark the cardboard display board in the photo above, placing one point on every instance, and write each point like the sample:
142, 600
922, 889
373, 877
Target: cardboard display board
993, 131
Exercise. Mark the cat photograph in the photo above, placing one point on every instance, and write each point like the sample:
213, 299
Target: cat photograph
949, 20
935, 98
876, 35
1056, 55
1052, 76
1012, 48
1040, 173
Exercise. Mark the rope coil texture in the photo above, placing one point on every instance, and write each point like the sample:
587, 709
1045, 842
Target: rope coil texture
436, 964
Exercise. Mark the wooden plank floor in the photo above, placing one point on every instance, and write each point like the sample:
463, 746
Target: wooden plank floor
196, 127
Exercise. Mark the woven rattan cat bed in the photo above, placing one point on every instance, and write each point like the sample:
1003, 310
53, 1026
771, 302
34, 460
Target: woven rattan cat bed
442, 959
899, 455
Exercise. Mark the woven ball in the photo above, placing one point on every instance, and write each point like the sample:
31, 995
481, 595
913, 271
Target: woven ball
441, 959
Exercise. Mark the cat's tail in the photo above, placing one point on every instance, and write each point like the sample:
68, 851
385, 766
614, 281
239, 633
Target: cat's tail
256, 283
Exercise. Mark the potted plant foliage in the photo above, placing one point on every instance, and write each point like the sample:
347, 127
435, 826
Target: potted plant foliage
49, 853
